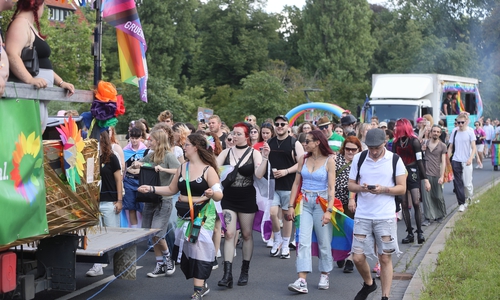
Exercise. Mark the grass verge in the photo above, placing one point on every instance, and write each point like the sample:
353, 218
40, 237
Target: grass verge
469, 266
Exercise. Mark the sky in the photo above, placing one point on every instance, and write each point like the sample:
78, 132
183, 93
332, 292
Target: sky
277, 5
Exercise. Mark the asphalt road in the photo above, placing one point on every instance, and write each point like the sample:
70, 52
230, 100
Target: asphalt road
269, 276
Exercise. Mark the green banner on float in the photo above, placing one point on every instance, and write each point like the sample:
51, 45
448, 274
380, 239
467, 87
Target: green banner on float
22, 186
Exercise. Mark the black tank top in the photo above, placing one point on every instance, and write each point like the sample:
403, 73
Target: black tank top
198, 186
43, 51
282, 157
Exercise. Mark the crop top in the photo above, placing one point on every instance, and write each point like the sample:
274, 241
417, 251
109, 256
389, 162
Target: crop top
198, 186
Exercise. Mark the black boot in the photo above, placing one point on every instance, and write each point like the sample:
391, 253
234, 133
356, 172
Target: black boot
420, 236
410, 238
227, 279
244, 273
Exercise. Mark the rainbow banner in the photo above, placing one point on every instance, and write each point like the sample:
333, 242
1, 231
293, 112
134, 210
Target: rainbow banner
464, 88
342, 233
122, 14
495, 153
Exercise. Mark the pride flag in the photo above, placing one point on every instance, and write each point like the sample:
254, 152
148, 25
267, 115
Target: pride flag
122, 14
342, 233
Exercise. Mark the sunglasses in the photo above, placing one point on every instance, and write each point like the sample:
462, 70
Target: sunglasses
229, 139
351, 149
249, 120
323, 127
308, 141
254, 131
280, 124
460, 122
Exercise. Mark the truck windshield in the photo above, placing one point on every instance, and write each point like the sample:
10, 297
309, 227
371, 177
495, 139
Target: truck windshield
390, 112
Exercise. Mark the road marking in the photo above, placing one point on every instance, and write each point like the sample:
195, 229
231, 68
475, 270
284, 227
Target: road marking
90, 287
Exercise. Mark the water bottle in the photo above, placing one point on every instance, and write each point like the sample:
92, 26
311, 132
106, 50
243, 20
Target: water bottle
195, 230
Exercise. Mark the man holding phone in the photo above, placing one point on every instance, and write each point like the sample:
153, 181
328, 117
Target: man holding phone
374, 221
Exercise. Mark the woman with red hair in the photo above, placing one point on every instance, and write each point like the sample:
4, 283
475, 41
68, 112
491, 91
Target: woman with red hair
24, 31
408, 147
239, 202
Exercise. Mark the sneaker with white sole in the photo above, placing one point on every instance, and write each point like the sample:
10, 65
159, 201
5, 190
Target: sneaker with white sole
270, 243
324, 282
461, 208
299, 286
205, 290
285, 253
275, 250
169, 265
96, 270
158, 271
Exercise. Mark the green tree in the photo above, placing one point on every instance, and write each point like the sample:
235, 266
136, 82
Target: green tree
285, 48
336, 39
233, 38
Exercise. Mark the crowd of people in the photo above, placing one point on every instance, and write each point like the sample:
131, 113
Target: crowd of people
374, 170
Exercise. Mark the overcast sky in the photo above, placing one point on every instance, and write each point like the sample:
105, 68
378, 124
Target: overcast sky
277, 5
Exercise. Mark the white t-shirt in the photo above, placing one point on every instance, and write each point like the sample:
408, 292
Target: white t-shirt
178, 151
462, 143
490, 132
371, 206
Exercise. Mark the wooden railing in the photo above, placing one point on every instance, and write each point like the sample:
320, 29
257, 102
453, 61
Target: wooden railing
28, 91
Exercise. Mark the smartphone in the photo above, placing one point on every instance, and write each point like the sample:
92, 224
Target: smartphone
371, 187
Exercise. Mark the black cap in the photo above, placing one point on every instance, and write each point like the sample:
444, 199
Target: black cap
281, 117
348, 120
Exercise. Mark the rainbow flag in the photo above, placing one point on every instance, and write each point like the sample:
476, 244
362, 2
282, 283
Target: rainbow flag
122, 14
342, 233
495, 152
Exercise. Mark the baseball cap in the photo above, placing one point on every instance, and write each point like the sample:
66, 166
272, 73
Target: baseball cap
281, 117
382, 124
375, 137
323, 121
348, 120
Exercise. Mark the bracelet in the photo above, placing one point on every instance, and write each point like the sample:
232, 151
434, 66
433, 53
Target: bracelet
290, 206
60, 83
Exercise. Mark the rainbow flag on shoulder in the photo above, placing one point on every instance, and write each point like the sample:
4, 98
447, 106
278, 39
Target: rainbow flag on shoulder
122, 14
342, 233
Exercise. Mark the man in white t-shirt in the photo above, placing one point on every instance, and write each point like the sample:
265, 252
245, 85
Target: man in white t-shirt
375, 221
490, 135
463, 148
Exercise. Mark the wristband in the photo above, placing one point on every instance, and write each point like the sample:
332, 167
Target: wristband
290, 206
60, 83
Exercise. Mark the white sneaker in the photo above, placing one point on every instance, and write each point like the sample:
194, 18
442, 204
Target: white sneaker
461, 207
285, 253
96, 270
299, 286
324, 282
275, 250
270, 243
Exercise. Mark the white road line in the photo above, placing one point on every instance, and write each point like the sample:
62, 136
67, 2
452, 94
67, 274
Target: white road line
90, 287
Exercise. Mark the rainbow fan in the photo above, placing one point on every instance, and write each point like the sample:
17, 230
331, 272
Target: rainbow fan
26, 181
73, 145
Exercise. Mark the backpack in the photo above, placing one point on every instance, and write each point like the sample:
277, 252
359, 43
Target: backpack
395, 159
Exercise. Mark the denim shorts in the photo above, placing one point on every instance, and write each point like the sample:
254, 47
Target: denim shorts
374, 230
281, 198
157, 215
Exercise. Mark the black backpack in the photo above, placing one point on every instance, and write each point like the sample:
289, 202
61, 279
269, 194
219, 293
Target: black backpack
395, 159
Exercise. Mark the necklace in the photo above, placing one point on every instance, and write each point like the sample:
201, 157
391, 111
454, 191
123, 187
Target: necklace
404, 143
279, 144
241, 147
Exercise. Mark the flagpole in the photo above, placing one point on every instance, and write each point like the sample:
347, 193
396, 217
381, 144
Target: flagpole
97, 52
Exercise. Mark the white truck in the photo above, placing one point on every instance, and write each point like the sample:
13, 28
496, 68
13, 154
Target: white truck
411, 96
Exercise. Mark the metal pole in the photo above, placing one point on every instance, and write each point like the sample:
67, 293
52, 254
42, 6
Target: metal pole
97, 51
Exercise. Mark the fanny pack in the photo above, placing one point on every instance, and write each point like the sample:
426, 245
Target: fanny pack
183, 210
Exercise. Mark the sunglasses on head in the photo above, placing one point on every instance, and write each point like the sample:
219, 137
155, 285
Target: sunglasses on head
279, 124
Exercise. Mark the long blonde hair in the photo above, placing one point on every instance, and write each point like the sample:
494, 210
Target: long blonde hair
162, 146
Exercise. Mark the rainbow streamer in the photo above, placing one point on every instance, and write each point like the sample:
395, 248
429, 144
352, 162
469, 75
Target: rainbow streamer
296, 112
342, 232
122, 14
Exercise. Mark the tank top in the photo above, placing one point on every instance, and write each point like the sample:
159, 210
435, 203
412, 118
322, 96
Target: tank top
43, 51
198, 186
282, 156
315, 181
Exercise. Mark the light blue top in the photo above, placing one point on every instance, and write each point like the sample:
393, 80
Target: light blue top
315, 181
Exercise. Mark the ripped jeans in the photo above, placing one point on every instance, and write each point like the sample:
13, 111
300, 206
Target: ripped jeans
374, 230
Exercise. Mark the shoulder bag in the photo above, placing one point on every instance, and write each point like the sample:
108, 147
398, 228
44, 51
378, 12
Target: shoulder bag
231, 176
30, 59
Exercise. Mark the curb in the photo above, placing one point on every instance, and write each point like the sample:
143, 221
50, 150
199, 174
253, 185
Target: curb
429, 262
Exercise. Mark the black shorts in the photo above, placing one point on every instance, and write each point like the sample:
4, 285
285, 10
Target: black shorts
413, 180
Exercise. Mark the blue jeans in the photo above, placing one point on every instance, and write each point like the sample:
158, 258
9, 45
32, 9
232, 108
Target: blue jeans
109, 218
311, 219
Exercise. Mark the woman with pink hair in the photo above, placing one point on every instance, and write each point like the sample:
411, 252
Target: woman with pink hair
408, 147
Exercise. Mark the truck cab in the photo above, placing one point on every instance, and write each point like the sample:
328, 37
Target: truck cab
411, 96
